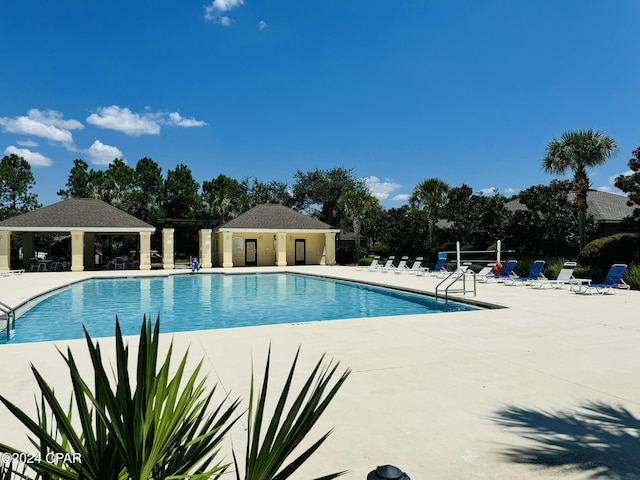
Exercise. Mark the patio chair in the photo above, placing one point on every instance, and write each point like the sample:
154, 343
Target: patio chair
402, 264
416, 267
373, 264
438, 268
388, 264
119, 263
506, 272
37, 265
534, 275
565, 277
612, 282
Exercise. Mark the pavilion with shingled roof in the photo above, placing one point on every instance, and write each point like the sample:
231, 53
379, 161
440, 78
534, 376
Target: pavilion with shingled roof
272, 234
82, 218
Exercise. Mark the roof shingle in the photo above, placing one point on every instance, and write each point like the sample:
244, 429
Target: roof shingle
274, 217
81, 213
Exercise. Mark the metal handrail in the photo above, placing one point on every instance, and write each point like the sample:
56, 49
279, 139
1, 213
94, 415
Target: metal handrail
11, 316
457, 274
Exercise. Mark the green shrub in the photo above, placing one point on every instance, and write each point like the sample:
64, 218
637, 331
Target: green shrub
632, 277
604, 252
365, 262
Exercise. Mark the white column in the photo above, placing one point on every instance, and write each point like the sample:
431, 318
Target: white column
227, 249
204, 237
145, 250
281, 249
77, 251
5, 250
329, 256
168, 248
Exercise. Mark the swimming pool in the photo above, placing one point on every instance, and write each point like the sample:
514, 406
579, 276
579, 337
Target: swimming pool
210, 301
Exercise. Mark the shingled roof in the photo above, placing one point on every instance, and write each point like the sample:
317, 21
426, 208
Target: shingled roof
269, 216
604, 206
88, 214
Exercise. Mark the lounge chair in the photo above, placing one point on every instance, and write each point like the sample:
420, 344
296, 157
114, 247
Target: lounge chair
388, 264
437, 269
565, 277
415, 268
612, 282
506, 272
534, 275
486, 270
402, 265
373, 264
37, 265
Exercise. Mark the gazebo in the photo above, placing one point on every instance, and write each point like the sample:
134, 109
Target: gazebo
272, 234
82, 218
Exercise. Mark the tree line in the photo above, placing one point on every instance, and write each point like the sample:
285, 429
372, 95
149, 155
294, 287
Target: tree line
434, 218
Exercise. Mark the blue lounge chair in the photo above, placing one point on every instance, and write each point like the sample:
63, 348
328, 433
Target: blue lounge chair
534, 275
506, 272
612, 282
438, 268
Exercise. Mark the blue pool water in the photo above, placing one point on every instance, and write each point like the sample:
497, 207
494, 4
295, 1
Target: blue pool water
210, 301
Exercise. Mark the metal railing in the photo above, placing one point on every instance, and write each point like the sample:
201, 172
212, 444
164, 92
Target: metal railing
460, 274
7, 311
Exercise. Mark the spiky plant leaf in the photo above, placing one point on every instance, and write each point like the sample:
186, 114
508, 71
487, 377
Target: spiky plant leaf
268, 458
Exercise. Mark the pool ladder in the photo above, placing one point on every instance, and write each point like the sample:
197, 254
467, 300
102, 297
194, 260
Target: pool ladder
7, 311
455, 276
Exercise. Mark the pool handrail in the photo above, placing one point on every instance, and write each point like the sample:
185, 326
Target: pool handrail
11, 316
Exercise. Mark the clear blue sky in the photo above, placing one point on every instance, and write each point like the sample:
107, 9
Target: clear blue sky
467, 91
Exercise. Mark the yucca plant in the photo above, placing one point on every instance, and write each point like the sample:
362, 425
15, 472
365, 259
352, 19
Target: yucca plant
268, 456
162, 429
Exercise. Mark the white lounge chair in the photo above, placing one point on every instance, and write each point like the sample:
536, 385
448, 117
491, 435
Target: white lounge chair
402, 265
373, 264
415, 268
565, 277
388, 264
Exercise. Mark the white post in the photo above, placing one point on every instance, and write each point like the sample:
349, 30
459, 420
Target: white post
458, 254
498, 251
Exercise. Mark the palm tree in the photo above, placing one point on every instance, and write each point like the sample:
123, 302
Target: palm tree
577, 151
430, 196
359, 206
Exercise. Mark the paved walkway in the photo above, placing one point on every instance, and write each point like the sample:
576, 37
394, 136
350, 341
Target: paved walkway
491, 394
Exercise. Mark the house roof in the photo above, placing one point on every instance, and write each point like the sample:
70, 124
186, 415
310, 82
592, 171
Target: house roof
604, 206
88, 214
275, 217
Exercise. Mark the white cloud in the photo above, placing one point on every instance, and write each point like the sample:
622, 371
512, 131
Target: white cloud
102, 154
176, 119
27, 143
510, 191
54, 118
604, 188
213, 12
401, 197
262, 25
35, 159
381, 189
124, 120
226, 5
489, 191
48, 124
137, 124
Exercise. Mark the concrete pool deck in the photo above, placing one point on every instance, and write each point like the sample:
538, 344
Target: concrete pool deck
545, 388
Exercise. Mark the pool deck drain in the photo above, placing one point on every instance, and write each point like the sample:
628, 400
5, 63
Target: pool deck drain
453, 396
